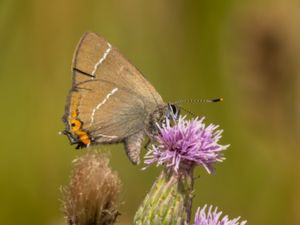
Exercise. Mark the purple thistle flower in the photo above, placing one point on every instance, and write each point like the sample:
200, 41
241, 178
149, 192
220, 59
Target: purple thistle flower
186, 143
213, 217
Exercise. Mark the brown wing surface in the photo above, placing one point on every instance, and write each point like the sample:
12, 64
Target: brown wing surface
109, 113
96, 57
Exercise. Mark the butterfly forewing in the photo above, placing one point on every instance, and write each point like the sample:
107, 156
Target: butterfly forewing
98, 58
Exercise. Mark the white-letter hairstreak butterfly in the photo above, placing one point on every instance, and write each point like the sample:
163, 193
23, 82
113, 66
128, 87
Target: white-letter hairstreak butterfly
110, 101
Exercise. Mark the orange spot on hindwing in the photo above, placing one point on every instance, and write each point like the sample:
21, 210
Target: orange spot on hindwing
74, 123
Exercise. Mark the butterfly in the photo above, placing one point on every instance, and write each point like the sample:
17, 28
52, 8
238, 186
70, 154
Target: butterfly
110, 101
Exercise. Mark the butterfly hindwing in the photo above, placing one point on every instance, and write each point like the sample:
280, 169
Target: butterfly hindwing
110, 113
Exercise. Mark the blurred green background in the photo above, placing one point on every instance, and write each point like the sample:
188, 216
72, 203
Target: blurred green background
245, 51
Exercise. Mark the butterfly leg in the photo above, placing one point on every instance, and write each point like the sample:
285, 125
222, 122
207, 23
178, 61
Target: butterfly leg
150, 140
133, 146
147, 143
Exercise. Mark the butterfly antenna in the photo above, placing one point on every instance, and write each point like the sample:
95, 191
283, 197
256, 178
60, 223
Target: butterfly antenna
199, 100
187, 111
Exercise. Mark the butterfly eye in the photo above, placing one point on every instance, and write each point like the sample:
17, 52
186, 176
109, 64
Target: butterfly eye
174, 109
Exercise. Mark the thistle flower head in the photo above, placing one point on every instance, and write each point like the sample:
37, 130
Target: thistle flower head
213, 217
185, 143
92, 194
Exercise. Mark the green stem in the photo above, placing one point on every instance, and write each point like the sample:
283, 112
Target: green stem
169, 200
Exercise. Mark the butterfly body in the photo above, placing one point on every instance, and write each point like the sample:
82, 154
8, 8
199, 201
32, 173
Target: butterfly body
110, 101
